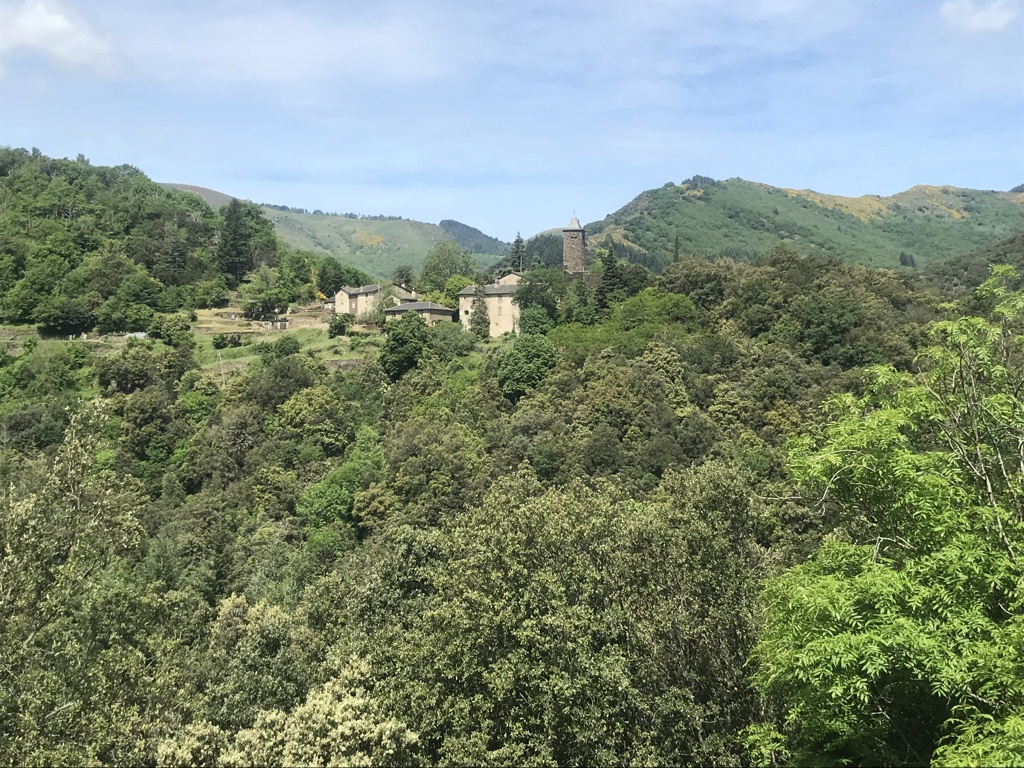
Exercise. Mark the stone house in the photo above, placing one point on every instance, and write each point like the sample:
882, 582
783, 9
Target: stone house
429, 311
360, 301
501, 310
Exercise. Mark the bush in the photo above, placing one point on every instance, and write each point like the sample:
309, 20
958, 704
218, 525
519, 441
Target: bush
338, 324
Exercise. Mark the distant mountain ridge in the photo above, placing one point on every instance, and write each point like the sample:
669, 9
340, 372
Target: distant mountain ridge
374, 244
472, 239
742, 219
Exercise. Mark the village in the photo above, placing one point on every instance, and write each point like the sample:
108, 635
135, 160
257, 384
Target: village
502, 311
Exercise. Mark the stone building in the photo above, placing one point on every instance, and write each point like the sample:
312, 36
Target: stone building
574, 243
429, 311
501, 310
359, 301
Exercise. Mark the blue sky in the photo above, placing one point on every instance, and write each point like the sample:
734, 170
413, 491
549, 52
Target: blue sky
511, 116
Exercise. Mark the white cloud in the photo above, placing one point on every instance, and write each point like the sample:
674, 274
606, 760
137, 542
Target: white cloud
979, 17
46, 28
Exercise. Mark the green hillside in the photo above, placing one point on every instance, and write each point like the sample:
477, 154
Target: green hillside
741, 219
375, 245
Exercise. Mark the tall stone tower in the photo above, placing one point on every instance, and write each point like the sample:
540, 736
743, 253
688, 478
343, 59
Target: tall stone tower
574, 241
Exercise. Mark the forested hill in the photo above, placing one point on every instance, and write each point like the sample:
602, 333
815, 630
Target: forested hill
376, 245
86, 247
472, 239
741, 219
731, 514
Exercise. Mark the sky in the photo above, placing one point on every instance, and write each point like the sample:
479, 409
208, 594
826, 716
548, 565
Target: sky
513, 115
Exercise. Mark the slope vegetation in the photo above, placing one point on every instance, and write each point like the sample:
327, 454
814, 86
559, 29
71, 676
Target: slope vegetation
741, 219
375, 245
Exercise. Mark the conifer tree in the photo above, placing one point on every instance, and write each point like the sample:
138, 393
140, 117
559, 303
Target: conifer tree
517, 256
479, 317
233, 253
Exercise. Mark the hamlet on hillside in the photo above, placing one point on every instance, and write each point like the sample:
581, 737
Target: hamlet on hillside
497, 297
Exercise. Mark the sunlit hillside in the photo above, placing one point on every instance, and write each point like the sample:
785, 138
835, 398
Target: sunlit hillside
742, 219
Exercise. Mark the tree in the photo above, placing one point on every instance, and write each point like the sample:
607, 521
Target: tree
534, 320
898, 641
444, 260
338, 324
403, 276
234, 252
544, 288
575, 626
521, 367
246, 240
265, 293
407, 337
479, 317
611, 287
517, 255
66, 675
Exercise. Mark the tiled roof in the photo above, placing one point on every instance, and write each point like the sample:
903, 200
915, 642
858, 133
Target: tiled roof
418, 306
574, 223
489, 291
363, 289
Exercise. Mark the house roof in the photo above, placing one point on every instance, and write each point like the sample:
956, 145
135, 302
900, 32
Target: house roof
490, 290
417, 306
364, 290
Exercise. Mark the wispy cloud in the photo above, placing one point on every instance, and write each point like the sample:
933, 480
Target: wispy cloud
979, 17
498, 112
297, 44
49, 29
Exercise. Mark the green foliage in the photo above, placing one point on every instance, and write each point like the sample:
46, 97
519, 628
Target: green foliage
521, 367
246, 241
402, 276
64, 698
534, 320
548, 552
479, 315
450, 340
338, 324
472, 239
367, 245
552, 632
444, 261
896, 642
542, 288
407, 338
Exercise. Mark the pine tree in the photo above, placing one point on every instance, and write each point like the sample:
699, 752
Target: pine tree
610, 287
234, 252
517, 256
479, 317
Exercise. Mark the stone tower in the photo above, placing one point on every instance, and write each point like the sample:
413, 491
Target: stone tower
574, 241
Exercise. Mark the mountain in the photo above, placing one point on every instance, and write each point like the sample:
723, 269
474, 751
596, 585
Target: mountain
213, 198
472, 239
742, 219
374, 244
959, 276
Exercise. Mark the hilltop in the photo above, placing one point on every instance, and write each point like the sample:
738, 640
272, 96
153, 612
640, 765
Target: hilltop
742, 219
373, 244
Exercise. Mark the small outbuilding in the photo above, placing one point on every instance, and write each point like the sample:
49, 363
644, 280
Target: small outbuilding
428, 310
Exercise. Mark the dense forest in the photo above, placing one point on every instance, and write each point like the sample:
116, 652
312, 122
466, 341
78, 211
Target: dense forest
741, 512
